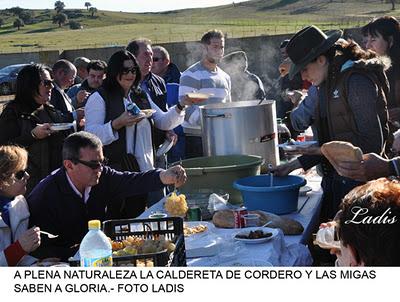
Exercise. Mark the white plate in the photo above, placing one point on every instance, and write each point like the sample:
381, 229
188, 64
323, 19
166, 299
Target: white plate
199, 95
304, 190
205, 244
146, 112
61, 126
297, 145
210, 228
259, 240
248, 262
164, 148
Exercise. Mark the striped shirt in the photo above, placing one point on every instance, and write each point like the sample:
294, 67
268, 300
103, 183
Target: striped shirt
199, 79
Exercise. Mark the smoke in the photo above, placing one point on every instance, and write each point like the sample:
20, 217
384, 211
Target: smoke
244, 84
193, 53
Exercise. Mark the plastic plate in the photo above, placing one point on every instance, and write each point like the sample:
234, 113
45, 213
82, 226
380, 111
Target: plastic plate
164, 148
297, 145
61, 126
199, 95
248, 262
259, 240
147, 112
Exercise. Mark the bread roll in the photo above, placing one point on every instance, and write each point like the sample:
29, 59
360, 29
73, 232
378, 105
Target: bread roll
337, 151
224, 219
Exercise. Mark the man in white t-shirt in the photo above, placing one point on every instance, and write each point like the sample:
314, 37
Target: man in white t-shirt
205, 77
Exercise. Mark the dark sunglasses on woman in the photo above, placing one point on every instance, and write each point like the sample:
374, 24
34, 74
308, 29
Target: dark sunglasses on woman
48, 83
126, 70
20, 174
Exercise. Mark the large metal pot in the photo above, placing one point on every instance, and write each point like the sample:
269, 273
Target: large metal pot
246, 127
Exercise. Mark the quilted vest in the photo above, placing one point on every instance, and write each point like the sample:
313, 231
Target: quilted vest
114, 103
341, 122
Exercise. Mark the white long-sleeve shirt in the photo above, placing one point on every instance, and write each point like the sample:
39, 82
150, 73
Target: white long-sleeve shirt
95, 113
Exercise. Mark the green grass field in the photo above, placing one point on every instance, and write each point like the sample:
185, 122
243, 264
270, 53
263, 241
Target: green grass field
251, 18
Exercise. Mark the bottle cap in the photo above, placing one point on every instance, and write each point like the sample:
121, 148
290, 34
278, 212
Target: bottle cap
94, 224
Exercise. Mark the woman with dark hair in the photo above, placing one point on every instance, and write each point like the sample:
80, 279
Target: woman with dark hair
27, 120
351, 103
127, 138
383, 36
16, 240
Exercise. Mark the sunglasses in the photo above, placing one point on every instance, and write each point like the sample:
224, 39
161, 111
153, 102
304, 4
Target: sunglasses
126, 70
94, 165
20, 174
156, 59
48, 83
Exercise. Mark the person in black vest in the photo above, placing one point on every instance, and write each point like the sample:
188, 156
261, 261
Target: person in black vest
352, 89
127, 139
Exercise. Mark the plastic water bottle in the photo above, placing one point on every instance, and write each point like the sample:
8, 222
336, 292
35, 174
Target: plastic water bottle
95, 249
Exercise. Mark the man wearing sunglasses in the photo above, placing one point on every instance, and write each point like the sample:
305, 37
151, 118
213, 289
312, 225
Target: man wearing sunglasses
163, 67
82, 189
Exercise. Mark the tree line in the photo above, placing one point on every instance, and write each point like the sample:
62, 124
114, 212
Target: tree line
61, 16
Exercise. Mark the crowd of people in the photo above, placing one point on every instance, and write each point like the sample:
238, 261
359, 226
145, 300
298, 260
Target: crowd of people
102, 163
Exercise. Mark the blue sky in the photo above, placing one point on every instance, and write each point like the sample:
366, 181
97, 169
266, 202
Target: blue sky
119, 5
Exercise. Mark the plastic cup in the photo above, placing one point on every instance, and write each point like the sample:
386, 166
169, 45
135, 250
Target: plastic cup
251, 220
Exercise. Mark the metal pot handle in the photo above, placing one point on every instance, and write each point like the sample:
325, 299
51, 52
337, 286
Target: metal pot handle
223, 115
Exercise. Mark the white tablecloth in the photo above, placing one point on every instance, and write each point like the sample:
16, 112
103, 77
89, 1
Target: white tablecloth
280, 251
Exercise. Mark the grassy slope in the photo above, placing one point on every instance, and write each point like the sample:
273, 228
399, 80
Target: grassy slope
244, 19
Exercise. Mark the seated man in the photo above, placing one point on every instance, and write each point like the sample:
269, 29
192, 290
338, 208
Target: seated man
369, 225
82, 189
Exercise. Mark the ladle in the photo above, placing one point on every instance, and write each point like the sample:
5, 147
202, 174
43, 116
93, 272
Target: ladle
271, 175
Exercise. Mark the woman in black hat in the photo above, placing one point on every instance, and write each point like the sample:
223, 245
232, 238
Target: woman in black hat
352, 90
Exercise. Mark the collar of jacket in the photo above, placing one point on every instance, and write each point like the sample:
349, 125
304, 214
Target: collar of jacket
62, 182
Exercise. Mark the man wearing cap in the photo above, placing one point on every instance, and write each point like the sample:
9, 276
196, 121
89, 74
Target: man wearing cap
351, 103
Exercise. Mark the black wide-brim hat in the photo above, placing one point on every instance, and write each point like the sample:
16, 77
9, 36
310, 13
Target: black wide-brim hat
307, 45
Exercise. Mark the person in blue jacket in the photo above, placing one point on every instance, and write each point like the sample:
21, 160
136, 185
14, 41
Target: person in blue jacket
82, 189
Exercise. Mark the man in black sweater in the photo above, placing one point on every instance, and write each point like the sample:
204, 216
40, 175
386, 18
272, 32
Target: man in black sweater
81, 190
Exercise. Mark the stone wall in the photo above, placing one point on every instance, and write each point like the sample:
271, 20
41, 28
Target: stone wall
262, 52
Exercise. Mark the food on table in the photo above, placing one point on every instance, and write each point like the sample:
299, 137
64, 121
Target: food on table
225, 219
132, 245
194, 230
176, 205
337, 151
257, 234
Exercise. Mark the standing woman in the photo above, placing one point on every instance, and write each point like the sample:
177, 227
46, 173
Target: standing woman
127, 139
26, 121
351, 103
16, 240
382, 35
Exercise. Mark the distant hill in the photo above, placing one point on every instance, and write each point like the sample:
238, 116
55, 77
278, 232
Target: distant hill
252, 18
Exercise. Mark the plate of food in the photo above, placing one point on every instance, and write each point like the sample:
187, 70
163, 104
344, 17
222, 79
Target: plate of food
146, 113
199, 95
61, 126
256, 235
295, 145
194, 228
